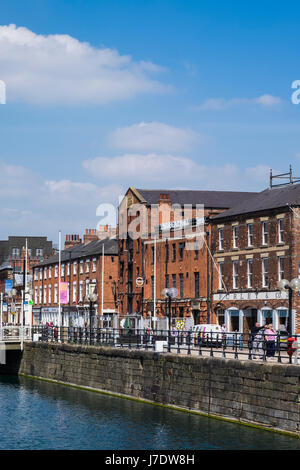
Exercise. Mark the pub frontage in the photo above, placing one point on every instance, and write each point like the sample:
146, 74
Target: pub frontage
256, 258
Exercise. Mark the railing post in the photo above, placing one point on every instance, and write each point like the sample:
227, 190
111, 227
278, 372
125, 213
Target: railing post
178, 342
189, 342
264, 348
211, 344
224, 345
250, 347
278, 347
199, 344
236, 356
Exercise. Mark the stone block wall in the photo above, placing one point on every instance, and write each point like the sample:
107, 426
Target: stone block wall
254, 393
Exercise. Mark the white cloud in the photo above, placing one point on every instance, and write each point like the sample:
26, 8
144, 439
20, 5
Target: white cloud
169, 171
137, 169
60, 69
67, 187
268, 100
29, 205
153, 137
216, 104
15, 181
33, 206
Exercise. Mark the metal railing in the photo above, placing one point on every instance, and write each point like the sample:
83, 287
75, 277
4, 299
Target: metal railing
242, 346
15, 333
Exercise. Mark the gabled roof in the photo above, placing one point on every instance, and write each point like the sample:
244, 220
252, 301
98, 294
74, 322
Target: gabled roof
92, 248
272, 198
210, 199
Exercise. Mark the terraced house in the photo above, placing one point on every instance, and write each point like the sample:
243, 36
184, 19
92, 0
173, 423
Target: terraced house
85, 268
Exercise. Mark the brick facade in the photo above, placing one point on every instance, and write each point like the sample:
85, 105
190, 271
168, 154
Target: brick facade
81, 266
175, 265
258, 249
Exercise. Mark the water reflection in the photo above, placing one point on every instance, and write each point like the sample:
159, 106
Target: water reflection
41, 415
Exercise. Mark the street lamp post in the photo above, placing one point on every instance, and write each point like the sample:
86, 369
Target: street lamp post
11, 295
293, 285
92, 297
169, 294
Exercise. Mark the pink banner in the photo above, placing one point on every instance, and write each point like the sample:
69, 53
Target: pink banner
64, 293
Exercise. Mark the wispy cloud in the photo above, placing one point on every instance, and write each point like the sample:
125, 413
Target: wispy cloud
161, 170
154, 137
217, 104
71, 205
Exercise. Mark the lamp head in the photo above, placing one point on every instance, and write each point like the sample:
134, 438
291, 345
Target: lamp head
165, 292
173, 292
295, 284
93, 297
283, 284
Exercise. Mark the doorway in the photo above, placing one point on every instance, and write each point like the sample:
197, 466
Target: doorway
267, 316
249, 319
196, 316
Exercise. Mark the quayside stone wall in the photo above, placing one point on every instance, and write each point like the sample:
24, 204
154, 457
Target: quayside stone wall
249, 392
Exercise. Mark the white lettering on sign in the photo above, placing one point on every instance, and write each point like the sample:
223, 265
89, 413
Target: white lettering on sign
251, 296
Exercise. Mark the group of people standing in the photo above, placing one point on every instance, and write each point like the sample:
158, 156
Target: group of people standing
259, 334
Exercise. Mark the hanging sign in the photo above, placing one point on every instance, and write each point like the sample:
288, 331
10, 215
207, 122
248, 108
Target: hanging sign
8, 285
139, 282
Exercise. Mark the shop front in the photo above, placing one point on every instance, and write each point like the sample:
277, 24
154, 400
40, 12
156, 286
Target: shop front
109, 319
75, 316
243, 320
49, 315
241, 310
36, 315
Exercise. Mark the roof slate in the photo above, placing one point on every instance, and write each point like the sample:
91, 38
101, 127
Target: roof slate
82, 251
211, 199
272, 198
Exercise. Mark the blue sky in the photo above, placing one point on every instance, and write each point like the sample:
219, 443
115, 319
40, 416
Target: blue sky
101, 95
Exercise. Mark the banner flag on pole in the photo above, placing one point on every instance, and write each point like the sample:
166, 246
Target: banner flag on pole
64, 293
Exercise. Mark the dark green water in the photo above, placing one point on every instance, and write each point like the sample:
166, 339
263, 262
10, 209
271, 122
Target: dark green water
39, 415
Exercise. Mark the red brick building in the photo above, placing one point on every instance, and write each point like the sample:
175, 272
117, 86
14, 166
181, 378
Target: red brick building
14, 259
82, 266
148, 226
256, 244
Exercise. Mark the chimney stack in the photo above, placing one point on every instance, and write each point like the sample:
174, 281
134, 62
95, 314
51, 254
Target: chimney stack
72, 240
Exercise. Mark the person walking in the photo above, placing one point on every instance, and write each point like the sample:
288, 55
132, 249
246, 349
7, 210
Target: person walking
270, 337
257, 339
